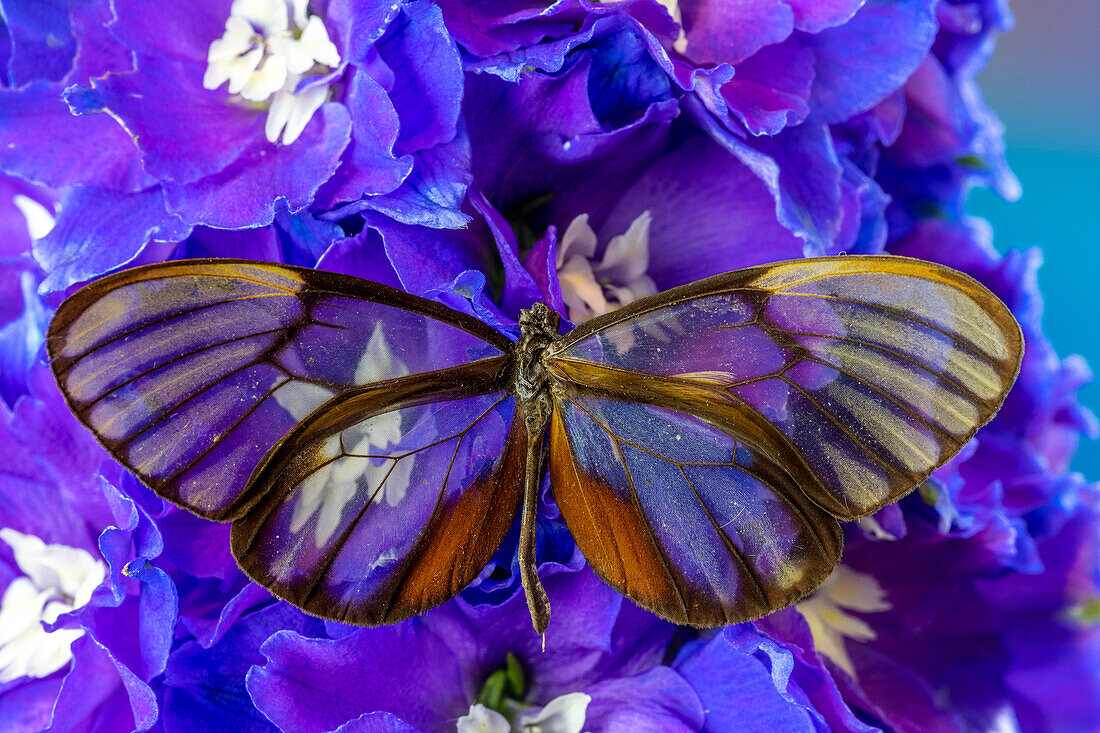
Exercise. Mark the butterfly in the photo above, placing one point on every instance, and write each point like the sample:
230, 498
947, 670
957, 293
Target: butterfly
372, 448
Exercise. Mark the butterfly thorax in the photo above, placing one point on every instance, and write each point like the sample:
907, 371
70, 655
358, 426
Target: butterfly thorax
538, 329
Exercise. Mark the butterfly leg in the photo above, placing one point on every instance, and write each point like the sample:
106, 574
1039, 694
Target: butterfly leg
538, 415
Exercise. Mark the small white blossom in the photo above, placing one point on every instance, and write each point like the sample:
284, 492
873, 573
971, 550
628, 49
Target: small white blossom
481, 719
563, 714
592, 289
269, 52
331, 488
40, 220
825, 614
57, 579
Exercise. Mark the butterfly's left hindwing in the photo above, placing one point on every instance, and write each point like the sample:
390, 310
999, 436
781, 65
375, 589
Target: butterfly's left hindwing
379, 520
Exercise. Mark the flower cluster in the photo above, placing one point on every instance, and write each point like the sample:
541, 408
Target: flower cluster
488, 155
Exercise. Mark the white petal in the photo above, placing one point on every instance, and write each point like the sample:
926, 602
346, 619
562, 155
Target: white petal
378, 361
337, 495
627, 255
40, 220
266, 80
69, 571
301, 398
579, 239
302, 106
300, 9
311, 493
21, 608
563, 714
397, 485
640, 288
239, 71
481, 719
270, 16
858, 591
217, 73
580, 291
277, 115
316, 41
239, 38
295, 56
827, 641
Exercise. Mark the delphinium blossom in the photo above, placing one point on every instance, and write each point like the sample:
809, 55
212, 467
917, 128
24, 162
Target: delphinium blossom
489, 155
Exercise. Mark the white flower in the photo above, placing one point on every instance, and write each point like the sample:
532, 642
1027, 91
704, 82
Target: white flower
592, 289
830, 625
269, 52
57, 579
332, 487
563, 714
40, 220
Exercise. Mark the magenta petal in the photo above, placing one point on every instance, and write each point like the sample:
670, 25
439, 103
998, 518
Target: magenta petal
542, 263
732, 224
99, 230
370, 167
426, 95
376, 723
245, 193
520, 289
315, 685
42, 44
99, 688
28, 706
813, 16
176, 30
771, 90
659, 699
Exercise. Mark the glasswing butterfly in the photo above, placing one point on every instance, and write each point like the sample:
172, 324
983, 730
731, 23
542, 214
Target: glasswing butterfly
372, 448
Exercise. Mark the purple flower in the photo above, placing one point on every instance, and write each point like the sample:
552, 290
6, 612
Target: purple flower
602, 669
246, 110
83, 574
487, 155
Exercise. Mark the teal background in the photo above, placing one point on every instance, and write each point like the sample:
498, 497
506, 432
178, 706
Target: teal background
1042, 81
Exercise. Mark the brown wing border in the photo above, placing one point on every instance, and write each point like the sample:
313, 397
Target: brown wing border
745, 279
323, 281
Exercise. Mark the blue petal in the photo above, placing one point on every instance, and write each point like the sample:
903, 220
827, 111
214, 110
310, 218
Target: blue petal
99, 230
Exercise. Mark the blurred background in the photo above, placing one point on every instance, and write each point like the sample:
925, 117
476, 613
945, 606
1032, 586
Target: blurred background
1043, 83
